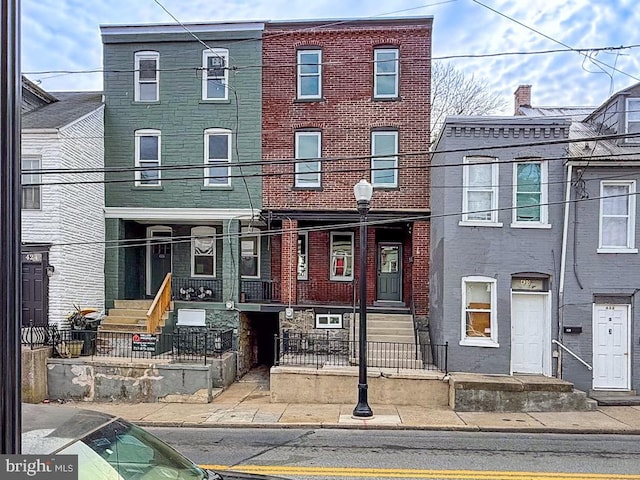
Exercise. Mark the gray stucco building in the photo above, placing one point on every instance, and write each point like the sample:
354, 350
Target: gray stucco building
496, 240
534, 250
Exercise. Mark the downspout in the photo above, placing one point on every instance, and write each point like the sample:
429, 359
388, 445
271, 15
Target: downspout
563, 263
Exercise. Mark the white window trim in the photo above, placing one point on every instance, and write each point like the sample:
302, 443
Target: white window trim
250, 232
467, 161
631, 206
376, 74
393, 184
328, 317
212, 162
30, 185
300, 74
215, 52
628, 101
203, 231
138, 176
544, 196
305, 237
146, 55
491, 341
331, 275
296, 180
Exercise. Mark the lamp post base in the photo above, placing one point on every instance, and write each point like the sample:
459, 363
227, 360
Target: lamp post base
362, 408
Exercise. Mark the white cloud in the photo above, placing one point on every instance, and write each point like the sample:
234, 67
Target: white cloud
64, 35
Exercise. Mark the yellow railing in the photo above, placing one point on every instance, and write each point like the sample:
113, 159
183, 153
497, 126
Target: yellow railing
160, 305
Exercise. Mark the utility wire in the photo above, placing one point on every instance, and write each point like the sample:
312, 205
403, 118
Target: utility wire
129, 243
594, 60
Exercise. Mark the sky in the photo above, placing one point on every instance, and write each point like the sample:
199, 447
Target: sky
64, 35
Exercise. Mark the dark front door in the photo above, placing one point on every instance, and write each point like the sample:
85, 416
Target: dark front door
34, 298
160, 257
389, 272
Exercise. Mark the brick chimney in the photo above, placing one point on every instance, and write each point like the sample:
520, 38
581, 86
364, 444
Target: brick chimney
522, 98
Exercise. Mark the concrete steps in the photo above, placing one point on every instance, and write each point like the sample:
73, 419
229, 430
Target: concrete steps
515, 393
615, 399
390, 341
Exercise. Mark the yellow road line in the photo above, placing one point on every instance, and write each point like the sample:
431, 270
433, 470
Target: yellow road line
418, 473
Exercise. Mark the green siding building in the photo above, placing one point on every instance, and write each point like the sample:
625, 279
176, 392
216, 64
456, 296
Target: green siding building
183, 189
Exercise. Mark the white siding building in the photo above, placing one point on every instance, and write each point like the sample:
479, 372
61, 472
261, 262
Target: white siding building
62, 217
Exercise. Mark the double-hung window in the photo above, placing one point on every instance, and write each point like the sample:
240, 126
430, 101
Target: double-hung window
250, 253
31, 190
147, 151
384, 160
303, 257
309, 74
215, 74
385, 75
341, 256
203, 252
617, 217
480, 190
146, 76
633, 118
217, 157
530, 194
479, 319
308, 147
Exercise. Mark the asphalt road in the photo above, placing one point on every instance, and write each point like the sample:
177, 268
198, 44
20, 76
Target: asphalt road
329, 453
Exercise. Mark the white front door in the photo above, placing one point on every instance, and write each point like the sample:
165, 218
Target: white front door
530, 323
611, 347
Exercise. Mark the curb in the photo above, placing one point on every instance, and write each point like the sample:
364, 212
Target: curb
438, 428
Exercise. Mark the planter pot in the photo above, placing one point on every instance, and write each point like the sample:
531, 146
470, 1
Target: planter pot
70, 348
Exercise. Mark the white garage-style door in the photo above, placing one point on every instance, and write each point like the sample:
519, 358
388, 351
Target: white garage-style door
611, 347
530, 333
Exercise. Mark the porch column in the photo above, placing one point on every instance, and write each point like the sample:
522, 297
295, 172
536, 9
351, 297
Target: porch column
420, 270
289, 261
231, 260
114, 262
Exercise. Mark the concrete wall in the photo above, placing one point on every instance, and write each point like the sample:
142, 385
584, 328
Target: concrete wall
135, 382
34, 374
340, 385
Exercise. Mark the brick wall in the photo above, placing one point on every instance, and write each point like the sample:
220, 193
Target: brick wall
347, 112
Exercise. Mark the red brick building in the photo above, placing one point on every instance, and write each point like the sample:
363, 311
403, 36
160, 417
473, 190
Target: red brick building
345, 101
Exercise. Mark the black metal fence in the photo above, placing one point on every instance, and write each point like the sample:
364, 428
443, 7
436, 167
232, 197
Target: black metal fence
33, 337
318, 350
184, 345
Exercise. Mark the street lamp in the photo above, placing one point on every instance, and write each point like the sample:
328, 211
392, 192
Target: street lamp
363, 192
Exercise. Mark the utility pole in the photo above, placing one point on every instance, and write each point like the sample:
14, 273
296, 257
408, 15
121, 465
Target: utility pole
10, 194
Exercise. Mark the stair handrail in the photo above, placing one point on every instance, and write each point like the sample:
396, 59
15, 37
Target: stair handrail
160, 304
572, 354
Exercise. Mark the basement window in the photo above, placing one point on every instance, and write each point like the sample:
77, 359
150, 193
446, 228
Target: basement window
328, 320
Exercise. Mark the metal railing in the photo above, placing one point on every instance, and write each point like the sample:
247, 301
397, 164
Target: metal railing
184, 345
259, 291
39, 336
196, 289
318, 350
566, 349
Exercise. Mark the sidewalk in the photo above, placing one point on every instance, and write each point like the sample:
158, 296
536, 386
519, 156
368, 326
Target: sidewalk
247, 404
